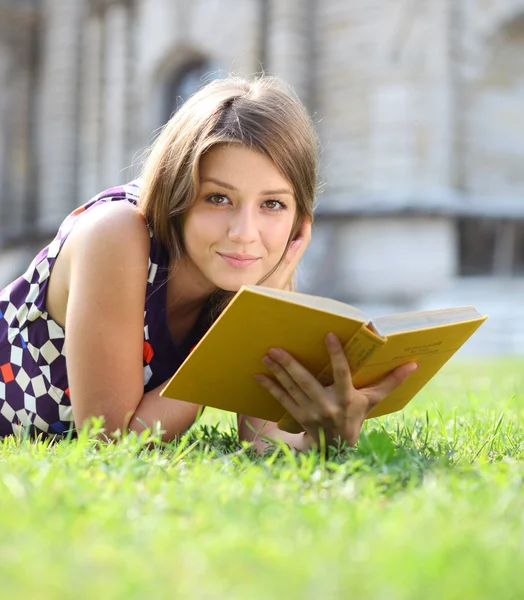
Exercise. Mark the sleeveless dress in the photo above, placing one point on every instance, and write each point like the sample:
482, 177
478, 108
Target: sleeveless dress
34, 389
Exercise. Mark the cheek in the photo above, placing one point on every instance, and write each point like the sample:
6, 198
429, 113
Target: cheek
276, 237
198, 229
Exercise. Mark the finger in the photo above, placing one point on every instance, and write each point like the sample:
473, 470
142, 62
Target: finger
378, 391
280, 394
341, 372
293, 249
304, 233
303, 236
294, 378
296, 250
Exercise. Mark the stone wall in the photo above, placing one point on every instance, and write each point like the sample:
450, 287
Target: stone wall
57, 130
18, 28
384, 105
493, 101
418, 104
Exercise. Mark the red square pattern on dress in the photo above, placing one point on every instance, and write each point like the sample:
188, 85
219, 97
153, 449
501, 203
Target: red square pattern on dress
78, 211
148, 352
7, 372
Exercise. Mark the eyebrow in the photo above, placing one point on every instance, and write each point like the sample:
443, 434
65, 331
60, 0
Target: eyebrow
234, 189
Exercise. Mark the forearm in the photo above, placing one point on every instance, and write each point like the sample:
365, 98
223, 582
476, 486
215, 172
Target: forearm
260, 433
175, 416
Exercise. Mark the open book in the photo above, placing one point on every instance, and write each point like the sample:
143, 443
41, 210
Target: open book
219, 371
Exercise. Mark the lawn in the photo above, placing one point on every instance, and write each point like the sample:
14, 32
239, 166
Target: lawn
429, 505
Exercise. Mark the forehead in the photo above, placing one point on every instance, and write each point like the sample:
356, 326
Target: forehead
240, 166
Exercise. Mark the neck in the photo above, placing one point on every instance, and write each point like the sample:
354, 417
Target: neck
188, 289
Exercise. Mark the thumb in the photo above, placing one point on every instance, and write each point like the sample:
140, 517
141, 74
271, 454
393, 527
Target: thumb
295, 245
392, 380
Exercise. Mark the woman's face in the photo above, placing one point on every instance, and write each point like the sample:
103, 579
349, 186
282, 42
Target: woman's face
239, 225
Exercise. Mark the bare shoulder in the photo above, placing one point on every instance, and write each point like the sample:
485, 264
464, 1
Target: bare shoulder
108, 241
109, 224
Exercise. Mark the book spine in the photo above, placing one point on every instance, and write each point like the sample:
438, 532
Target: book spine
358, 351
361, 347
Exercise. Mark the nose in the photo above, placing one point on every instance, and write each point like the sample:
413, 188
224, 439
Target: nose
243, 226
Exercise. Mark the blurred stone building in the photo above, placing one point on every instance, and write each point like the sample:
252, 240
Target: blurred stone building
419, 105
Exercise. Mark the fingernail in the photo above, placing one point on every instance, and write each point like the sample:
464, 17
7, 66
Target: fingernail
413, 367
259, 378
332, 339
268, 361
275, 353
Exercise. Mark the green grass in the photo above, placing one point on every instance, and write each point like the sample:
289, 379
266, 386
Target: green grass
430, 505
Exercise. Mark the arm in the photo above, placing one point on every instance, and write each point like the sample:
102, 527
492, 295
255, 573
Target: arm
254, 430
108, 255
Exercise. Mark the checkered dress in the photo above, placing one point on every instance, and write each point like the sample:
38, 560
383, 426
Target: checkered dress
34, 389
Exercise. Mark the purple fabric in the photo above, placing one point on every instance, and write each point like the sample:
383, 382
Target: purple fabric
34, 389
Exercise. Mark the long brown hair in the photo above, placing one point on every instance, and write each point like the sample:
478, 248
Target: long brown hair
264, 114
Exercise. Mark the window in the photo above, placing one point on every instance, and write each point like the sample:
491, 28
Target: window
491, 246
187, 81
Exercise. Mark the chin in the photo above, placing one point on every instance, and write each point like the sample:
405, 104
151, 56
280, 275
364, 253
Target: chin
233, 284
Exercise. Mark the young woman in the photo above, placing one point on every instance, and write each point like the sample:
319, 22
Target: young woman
136, 276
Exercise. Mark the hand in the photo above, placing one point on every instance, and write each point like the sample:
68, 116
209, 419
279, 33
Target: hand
282, 278
339, 409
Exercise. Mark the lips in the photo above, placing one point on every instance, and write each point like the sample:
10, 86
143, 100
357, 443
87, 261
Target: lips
239, 261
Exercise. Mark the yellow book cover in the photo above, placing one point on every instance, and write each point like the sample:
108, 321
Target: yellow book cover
219, 371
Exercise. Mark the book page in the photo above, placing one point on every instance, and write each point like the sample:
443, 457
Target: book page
430, 347
423, 319
320, 303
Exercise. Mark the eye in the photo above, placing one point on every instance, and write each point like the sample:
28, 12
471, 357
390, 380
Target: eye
217, 199
275, 205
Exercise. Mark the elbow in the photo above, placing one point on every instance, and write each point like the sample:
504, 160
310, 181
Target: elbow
107, 425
